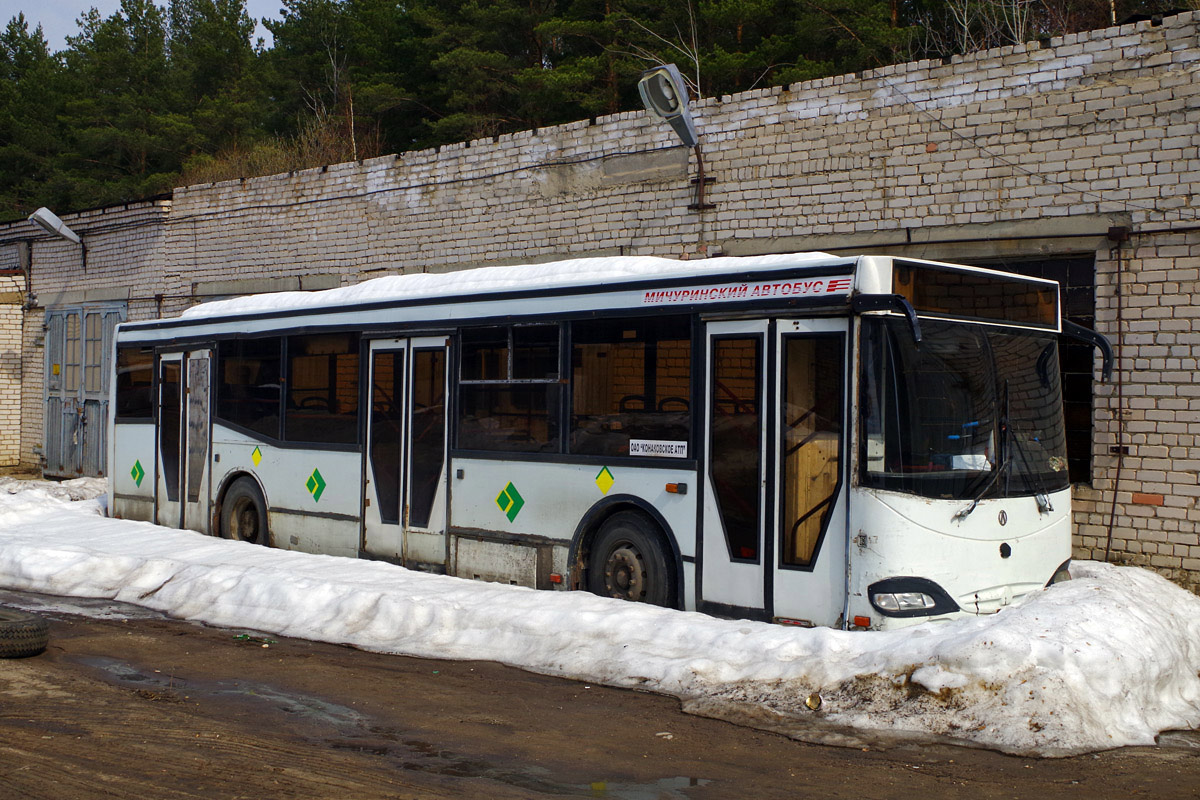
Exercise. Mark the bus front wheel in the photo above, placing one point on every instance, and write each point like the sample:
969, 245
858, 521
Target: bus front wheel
628, 562
244, 513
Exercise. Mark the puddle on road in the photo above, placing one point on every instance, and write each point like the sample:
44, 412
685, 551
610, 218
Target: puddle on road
92, 608
311, 709
418, 756
355, 732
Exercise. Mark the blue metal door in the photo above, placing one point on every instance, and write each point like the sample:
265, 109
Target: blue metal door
78, 365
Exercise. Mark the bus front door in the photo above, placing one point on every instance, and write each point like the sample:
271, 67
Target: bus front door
182, 482
774, 490
405, 491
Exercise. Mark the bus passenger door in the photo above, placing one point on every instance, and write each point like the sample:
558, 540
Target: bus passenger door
774, 537
810, 494
169, 467
735, 511
404, 502
182, 473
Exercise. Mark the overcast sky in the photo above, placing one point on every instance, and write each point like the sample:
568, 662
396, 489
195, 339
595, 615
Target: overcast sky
58, 17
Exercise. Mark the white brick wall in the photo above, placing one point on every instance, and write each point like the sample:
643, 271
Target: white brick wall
11, 296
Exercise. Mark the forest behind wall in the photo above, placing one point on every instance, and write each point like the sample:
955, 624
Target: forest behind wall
154, 97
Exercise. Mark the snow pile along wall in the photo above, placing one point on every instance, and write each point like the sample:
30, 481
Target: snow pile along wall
1109, 659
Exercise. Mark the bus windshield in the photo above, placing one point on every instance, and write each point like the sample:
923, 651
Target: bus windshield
970, 412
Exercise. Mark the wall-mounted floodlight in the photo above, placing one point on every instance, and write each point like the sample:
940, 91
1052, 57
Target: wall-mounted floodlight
665, 96
48, 221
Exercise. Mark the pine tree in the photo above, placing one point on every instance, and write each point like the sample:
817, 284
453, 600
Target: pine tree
128, 135
29, 135
214, 74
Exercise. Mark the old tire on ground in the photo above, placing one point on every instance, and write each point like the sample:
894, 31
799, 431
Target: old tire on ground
629, 562
22, 634
244, 513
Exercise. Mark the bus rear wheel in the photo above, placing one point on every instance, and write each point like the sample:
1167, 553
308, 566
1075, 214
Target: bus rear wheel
628, 562
244, 513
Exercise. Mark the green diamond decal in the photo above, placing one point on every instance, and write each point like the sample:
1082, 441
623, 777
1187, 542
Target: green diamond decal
510, 501
137, 473
315, 485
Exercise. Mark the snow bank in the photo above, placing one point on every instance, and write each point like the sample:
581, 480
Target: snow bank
32, 493
1106, 660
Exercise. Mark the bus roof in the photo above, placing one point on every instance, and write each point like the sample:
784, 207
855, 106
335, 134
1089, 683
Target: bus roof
549, 277
585, 286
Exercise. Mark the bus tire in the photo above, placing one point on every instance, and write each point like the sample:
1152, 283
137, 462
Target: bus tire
628, 562
21, 634
244, 513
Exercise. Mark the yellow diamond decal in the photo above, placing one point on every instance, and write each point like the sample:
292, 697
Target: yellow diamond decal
605, 480
256, 456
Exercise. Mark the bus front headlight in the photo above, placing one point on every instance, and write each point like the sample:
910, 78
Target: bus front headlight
910, 597
903, 601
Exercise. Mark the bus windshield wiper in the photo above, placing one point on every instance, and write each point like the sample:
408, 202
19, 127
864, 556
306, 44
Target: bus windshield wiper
966, 512
1005, 460
1041, 496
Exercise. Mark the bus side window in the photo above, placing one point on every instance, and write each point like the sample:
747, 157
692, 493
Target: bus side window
509, 391
248, 383
630, 379
135, 383
322, 389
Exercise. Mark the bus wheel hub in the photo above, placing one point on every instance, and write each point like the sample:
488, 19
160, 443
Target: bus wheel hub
624, 573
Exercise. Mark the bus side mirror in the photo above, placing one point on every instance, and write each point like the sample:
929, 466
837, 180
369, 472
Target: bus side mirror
1044, 366
1079, 333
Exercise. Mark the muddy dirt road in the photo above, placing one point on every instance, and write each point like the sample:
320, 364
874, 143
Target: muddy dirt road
143, 707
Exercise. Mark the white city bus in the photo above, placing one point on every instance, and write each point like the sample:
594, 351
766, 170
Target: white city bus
855, 442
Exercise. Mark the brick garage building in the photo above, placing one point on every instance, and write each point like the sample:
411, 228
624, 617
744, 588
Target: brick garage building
1078, 159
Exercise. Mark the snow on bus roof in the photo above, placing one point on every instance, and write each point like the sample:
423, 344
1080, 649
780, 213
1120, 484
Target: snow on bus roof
486, 280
